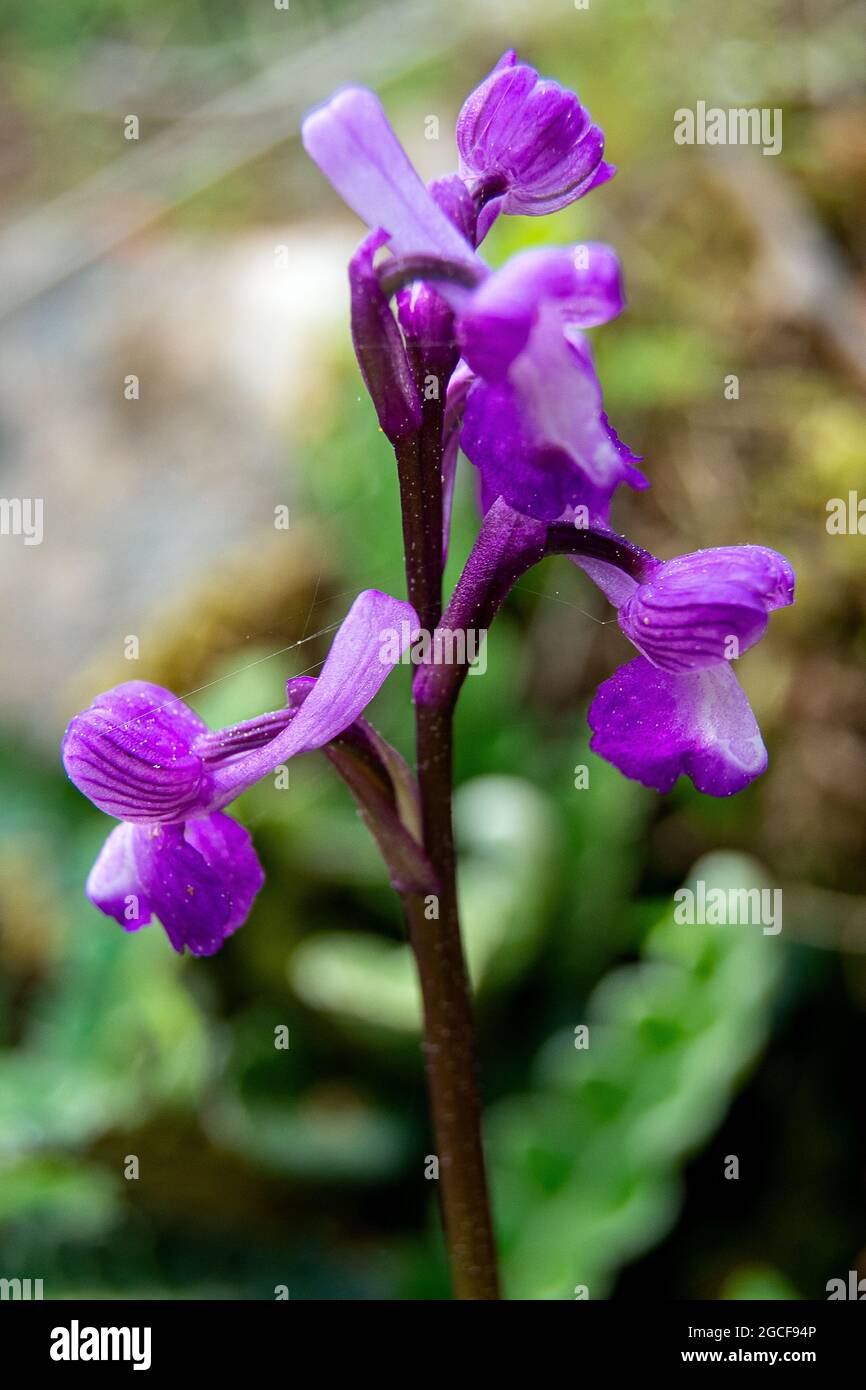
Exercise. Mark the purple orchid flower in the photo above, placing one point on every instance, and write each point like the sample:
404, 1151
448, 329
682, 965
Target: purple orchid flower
678, 708
526, 144
140, 754
535, 426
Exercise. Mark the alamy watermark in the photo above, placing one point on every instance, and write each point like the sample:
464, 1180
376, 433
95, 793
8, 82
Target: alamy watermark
20, 1290
853, 1288
846, 516
22, 516
719, 907
77, 1343
444, 647
736, 125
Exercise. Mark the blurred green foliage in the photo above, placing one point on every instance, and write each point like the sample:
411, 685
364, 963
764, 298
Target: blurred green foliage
587, 1164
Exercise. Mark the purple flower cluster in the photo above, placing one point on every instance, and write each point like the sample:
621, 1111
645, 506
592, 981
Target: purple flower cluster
508, 353
532, 416
525, 403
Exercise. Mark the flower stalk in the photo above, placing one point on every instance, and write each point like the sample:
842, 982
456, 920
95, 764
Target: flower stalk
449, 1038
433, 920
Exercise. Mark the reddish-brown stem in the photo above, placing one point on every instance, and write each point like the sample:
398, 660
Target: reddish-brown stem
434, 926
449, 1041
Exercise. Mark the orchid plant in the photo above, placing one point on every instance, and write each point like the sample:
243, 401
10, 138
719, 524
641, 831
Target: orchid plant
496, 363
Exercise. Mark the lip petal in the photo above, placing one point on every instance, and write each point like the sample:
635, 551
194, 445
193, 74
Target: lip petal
200, 879
113, 884
658, 725
540, 437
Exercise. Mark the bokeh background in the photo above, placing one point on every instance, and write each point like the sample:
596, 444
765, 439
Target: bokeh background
208, 259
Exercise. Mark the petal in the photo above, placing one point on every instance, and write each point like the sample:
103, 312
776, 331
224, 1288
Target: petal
500, 439
379, 346
489, 118
560, 395
597, 294
227, 849
540, 438
354, 144
701, 609
529, 141
199, 879
113, 884
371, 639
655, 725
755, 568
130, 753
560, 401
495, 328
584, 281
455, 200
